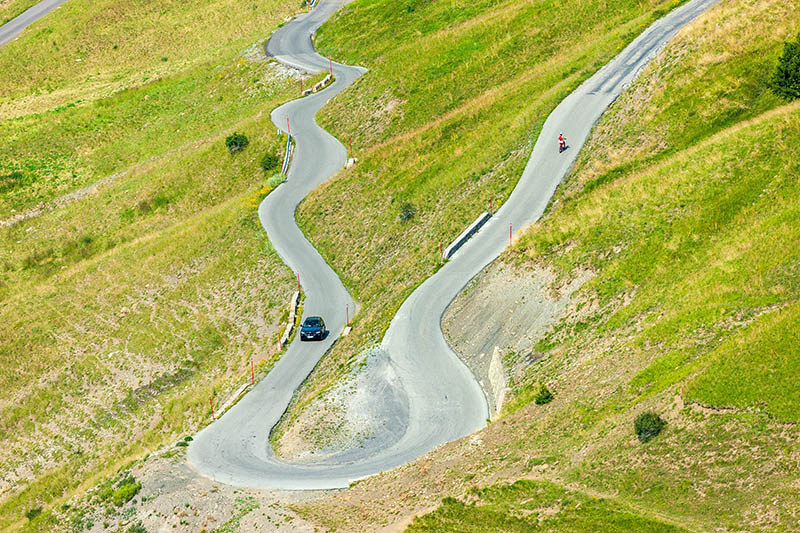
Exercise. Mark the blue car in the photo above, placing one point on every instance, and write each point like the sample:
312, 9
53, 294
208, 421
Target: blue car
313, 328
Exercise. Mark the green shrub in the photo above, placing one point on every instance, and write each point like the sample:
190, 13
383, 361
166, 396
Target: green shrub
542, 396
30, 514
269, 162
275, 180
647, 425
236, 142
786, 79
137, 528
407, 212
105, 493
126, 490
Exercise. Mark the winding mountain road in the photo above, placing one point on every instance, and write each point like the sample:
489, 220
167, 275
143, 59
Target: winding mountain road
431, 398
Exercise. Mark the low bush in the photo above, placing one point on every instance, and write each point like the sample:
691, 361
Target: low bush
275, 180
407, 212
542, 395
647, 425
269, 162
125, 493
30, 514
786, 79
236, 142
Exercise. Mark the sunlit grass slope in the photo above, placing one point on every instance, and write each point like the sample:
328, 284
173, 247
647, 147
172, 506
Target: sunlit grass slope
444, 121
128, 304
534, 506
146, 97
88, 49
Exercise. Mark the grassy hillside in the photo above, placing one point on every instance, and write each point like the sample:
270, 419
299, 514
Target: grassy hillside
444, 121
684, 208
57, 61
534, 505
131, 96
138, 283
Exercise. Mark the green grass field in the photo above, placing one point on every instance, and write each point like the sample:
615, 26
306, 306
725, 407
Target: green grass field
691, 180
129, 304
533, 506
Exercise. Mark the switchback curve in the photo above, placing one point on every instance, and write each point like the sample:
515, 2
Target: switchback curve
441, 401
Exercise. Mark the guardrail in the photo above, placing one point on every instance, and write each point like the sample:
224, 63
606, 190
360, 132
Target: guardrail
466, 234
285, 167
292, 319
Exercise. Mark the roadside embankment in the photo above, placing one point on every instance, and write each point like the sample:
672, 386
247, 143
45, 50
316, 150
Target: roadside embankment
495, 323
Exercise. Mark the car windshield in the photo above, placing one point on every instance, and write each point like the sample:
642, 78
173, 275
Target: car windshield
313, 322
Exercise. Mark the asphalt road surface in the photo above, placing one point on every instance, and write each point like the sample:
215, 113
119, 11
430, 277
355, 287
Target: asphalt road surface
14, 27
438, 399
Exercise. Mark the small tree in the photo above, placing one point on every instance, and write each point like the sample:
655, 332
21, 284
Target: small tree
647, 425
542, 395
30, 514
785, 80
407, 212
236, 142
269, 162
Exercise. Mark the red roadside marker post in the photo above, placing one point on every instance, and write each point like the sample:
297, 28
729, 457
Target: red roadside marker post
252, 372
490, 207
347, 310
301, 86
298, 282
510, 235
350, 138
331, 63
211, 403
288, 129
441, 253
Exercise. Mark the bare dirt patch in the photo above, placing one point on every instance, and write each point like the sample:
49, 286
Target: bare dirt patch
509, 309
369, 405
174, 497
